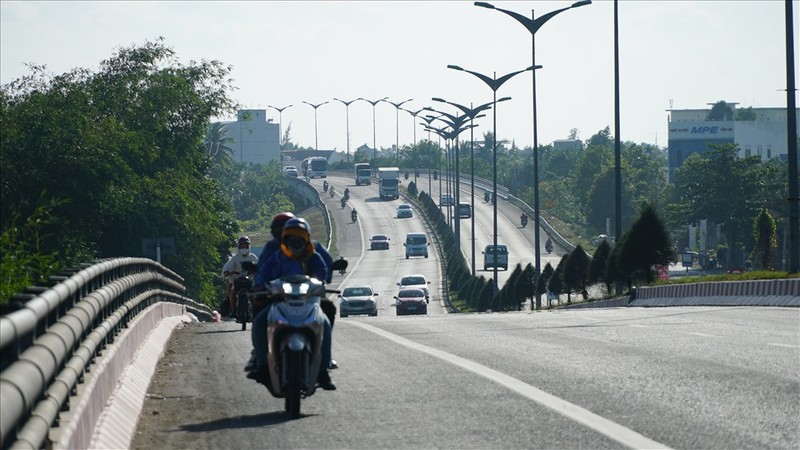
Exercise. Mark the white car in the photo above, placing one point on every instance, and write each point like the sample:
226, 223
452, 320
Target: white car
446, 200
416, 281
291, 171
404, 211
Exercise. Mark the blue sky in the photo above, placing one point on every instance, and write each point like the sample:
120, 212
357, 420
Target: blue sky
679, 54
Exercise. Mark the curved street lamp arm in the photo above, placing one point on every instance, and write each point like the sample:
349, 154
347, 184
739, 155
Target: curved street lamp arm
280, 110
345, 103
533, 25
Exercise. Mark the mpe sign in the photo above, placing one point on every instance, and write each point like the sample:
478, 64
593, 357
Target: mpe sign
701, 130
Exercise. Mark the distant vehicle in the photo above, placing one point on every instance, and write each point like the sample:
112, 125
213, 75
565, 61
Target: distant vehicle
363, 173
464, 210
416, 281
404, 211
446, 199
389, 182
315, 167
356, 300
495, 257
416, 244
379, 242
291, 171
411, 301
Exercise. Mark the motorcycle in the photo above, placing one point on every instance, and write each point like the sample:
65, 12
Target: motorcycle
486, 196
406, 175
324, 186
294, 336
242, 286
343, 202
524, 220
346, 194
332, 192
435, 175
548, 246
354, 216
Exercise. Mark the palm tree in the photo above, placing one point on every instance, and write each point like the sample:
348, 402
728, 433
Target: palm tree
217, 141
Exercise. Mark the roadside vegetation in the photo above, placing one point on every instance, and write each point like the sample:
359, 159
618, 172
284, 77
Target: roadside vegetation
93, 162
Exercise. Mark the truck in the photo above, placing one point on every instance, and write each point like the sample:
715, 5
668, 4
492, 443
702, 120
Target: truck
363, 174
389, 182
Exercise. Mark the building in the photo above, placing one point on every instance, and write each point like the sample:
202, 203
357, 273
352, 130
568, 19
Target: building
568, 144
690, 132
257, 140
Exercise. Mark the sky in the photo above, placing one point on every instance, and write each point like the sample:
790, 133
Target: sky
677, 54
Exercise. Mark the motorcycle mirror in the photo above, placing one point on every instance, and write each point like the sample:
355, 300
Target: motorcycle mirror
339, 264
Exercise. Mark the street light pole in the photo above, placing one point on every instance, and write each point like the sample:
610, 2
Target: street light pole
533, 26
494, 84
416, 149
397, 126
373, 103
316, 140
347, 114
427, 125
280, 126
471, 113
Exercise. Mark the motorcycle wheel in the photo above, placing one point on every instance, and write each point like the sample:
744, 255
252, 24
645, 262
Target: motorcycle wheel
292, 399
243, 310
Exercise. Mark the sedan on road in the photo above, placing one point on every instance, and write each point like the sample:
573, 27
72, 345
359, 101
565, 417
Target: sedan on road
404, 211
379, 242
356, 300
411, 301
416, 281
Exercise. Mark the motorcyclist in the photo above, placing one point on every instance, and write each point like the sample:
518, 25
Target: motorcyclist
274, 245
523, 219
354, 215
343, 201
332, 191
325, 186
435, 175
233, 267
297, 256
548, 245
346, 192
486, 196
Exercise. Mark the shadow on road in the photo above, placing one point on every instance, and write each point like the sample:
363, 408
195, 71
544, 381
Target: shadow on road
253, 421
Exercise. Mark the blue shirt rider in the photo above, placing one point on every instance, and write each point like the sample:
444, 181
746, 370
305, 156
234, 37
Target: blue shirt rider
297, 255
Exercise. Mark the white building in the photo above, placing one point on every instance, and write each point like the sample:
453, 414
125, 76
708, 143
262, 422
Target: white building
690, 132
257, 140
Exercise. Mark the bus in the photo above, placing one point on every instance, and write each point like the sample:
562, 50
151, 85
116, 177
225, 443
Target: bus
315, 166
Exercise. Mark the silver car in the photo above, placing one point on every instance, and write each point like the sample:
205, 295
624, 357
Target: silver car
356, 300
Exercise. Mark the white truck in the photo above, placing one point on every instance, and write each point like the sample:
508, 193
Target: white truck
389, 182
363, 174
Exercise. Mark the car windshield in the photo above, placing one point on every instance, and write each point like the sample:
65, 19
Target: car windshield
500, 250
411, 293
379, 237
412, 280
356, 292
417, 240
404, 207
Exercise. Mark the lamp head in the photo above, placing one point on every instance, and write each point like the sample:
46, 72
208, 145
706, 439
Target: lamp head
581, 3
504, 99
484, 5
437, 99
454, 67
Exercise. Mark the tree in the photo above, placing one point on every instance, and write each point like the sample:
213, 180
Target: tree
217, 143
646, 243
598, 264
765, 237
556, 282
576, 270
720, 111
724, 189
122, 152
544, 278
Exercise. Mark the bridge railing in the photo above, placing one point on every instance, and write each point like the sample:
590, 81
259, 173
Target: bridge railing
49, 344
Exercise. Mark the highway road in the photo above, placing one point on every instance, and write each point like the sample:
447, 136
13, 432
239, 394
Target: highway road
691, 377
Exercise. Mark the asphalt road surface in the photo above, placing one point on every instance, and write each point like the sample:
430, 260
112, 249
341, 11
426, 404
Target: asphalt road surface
691, 377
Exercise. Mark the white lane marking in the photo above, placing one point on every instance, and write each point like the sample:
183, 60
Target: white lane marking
777, 344
638, 326
619, 433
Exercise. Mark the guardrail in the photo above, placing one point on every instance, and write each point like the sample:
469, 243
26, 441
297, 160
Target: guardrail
50, 343
310, 193
502, 192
